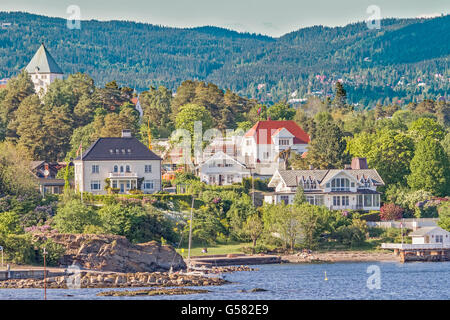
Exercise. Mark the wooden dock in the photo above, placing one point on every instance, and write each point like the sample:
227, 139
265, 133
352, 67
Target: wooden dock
233, 260
419, 252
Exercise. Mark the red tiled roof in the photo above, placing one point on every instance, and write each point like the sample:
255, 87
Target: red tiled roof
272, 126
2, 86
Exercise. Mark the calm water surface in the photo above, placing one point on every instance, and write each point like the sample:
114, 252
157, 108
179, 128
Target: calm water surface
301, 281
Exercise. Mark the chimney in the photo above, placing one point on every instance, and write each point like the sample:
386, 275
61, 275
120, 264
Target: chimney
359, 163
126, 133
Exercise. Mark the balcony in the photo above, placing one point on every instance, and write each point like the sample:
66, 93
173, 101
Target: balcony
128, 175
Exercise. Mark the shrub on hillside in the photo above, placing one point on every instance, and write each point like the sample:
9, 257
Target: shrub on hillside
390, 211
74, 216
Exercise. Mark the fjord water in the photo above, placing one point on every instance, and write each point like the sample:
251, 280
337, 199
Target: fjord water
419, 281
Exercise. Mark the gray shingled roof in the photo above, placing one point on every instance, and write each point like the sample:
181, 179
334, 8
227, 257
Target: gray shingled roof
424, 231
292, 177
128, 148
43, 62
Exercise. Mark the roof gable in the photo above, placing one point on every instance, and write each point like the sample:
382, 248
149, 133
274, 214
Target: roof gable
265, 129
220, 155
122, 149
43, 62
428, 230
333, 173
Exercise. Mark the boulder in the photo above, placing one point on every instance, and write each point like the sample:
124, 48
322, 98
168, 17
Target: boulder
115, 253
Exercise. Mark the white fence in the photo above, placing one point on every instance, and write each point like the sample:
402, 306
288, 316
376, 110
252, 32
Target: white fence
407, 223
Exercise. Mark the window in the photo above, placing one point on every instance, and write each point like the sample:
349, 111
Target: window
336, 200
265, 155
128, 185
439, 238
127, 168
114, 184
376, 200
148, 168
345, 200
310, 199
318, 201
116, 168
340, 184
121, 169
95, 168
368, 200
284, 199
284, 142
248, 142
148, 185
95, 185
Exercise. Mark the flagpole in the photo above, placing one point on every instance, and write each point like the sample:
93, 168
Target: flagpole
82, 173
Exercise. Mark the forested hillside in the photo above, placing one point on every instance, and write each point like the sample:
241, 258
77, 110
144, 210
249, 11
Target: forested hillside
406, 60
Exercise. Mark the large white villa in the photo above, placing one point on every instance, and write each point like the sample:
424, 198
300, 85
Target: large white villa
262, 144
222, 169
354, 187
123, 163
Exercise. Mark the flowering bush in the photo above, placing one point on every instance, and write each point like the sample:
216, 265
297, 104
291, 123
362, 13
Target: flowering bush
390, 211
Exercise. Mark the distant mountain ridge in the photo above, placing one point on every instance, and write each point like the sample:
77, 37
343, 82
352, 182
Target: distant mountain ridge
406, 60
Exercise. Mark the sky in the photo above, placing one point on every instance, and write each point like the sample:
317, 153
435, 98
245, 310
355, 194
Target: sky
270, 17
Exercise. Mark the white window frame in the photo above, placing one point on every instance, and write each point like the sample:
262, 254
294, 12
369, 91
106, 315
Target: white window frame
151, 184
96, 183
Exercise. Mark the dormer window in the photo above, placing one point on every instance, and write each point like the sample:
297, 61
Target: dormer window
117, 151
123, 151
111, 151
284, 142
129, 150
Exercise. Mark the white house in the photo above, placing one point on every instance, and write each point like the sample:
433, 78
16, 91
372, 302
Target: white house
262, 144
222, 169
124, 163
430, 235
43, 70
338, 189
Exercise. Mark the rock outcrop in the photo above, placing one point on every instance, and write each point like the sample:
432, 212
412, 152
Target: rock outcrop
114, 253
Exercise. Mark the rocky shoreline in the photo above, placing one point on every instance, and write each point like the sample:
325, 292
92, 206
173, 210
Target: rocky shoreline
115, 280
151, 292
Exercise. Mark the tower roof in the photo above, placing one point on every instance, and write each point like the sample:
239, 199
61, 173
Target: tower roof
43, 62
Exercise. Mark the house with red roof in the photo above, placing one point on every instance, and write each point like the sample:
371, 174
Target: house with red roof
263, 145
